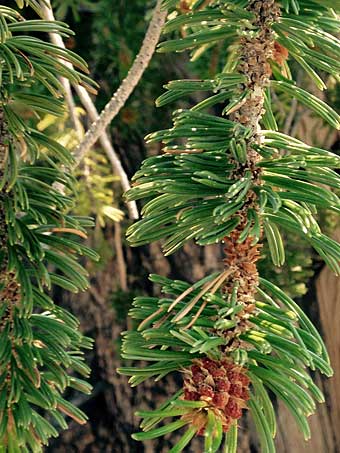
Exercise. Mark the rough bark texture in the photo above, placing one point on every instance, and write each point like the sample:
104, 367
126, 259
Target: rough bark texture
324, 305
328, 294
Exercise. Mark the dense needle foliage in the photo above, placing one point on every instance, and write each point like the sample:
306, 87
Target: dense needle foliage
40, 342
234, 178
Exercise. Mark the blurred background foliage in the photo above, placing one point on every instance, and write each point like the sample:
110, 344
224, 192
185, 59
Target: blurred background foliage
108, 35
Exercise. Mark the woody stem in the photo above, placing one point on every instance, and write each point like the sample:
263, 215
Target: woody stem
257, 47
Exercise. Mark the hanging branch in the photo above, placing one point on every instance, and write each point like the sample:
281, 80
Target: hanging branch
93, 115
127, 86
235, 179
40, 342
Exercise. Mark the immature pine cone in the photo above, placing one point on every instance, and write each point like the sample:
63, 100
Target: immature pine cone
220, 383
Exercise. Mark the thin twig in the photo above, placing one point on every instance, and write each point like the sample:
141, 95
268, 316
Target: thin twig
111, 154
93, 115
119, 98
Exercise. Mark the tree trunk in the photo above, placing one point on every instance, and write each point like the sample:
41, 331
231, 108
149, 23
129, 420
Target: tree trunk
325, 423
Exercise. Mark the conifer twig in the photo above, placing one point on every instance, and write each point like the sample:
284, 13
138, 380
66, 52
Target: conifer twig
119, 98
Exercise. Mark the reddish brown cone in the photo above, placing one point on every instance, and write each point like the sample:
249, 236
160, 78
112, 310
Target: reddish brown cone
223, 385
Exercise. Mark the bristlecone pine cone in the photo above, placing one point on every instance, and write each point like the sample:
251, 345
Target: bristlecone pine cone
221, 384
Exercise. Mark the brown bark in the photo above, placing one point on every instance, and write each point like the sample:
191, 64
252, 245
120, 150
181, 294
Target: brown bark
326, 422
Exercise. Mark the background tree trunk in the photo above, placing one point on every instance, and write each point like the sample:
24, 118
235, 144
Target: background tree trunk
328, 294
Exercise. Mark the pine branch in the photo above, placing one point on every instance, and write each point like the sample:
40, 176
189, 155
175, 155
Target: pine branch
235, 179
40, 342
